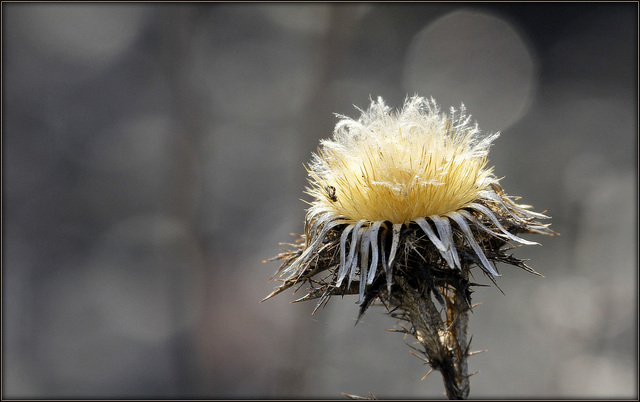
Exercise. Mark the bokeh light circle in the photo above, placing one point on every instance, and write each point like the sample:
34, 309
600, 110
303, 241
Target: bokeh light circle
477, 59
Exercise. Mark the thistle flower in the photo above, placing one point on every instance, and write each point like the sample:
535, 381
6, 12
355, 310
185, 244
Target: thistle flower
403, 206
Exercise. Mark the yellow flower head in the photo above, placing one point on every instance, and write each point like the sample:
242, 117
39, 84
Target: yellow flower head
413, 181
402, 166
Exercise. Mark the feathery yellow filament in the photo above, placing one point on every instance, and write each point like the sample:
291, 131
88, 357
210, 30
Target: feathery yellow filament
400, 172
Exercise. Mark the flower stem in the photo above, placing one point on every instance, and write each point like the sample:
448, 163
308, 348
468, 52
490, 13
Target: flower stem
444, 340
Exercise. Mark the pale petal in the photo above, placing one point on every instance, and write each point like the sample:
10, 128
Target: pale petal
397, 227
446, 235
462, 224
364, 260
343, 248
490, 214
374, 251
429, 232
352, 253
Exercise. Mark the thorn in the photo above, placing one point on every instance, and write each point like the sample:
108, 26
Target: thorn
275, 292
477, 352
476, 305
425, 376
472, 374
425, 360
303, 298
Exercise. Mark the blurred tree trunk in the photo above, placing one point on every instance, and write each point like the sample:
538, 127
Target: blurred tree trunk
179, 27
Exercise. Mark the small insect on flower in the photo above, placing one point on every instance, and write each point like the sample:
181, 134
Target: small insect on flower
331, 192
403, 193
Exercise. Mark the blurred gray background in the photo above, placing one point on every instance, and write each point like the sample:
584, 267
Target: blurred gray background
153, 157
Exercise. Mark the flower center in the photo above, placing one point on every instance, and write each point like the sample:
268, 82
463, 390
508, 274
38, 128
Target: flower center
400, 184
